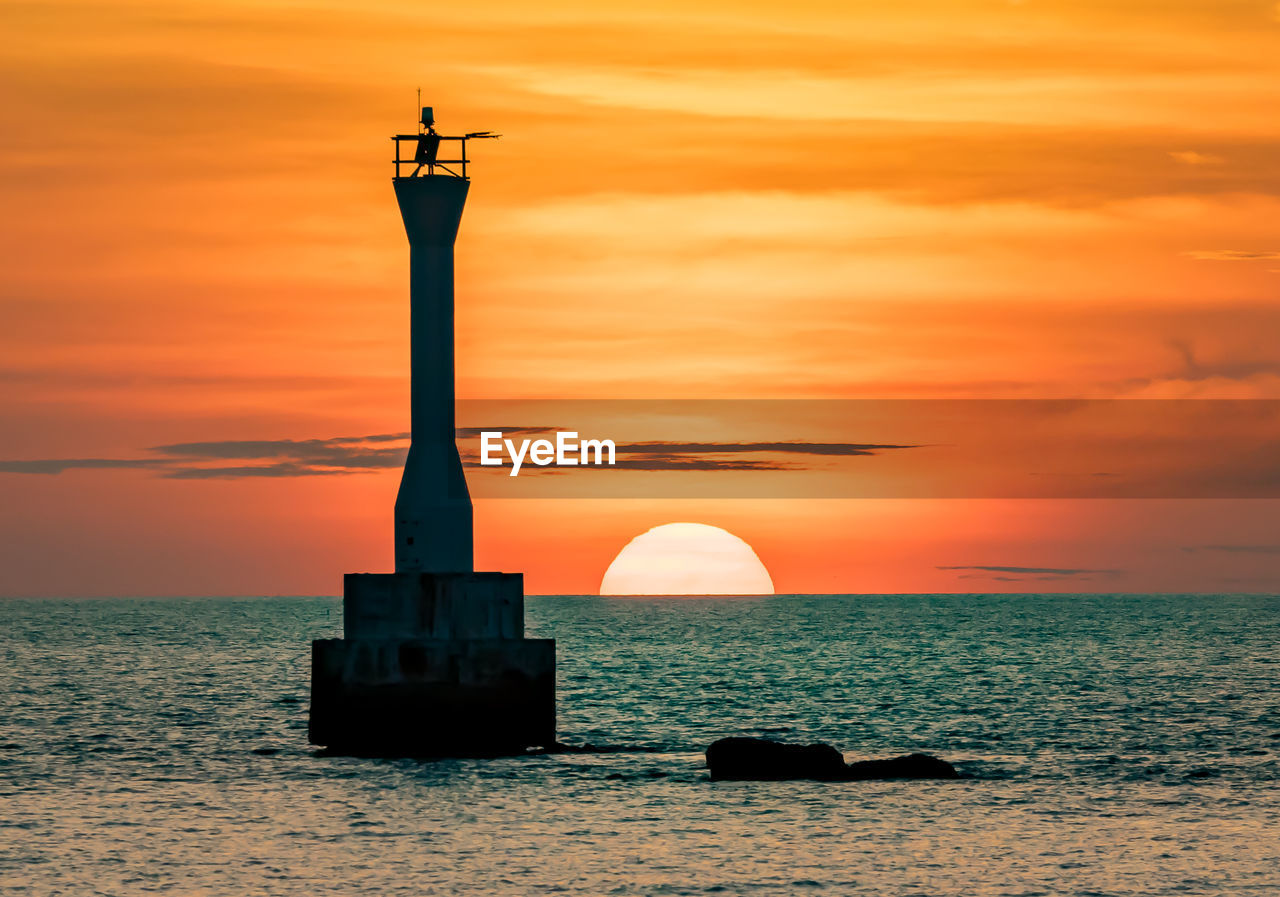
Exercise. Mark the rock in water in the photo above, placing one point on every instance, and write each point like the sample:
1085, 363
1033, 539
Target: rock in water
912, 766
758, 759
761, 760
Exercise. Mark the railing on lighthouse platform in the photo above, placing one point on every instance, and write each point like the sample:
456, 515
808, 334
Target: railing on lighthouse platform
426, 145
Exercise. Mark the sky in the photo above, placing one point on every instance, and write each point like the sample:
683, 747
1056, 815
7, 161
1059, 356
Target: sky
711, 200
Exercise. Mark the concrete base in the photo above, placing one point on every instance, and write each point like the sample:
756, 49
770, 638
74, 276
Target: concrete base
434, 664
433, 698
433, 605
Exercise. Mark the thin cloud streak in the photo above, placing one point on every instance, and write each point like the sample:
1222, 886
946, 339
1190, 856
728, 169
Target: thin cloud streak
1233, 255
357, 454
1236, 549
52, 466
283, 469
1047, 571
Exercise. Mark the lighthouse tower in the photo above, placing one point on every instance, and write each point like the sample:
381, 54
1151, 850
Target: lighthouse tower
434, 659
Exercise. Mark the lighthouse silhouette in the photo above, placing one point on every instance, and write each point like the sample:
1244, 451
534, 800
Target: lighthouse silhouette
433, 661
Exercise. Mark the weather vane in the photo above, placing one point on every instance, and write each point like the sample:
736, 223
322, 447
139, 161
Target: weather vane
426, 148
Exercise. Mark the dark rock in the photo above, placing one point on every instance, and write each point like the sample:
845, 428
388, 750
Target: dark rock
758, 759
912, 766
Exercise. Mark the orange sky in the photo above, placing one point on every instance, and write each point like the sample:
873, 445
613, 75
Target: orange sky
695, 199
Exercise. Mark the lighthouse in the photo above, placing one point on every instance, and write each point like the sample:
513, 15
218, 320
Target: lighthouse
433, 661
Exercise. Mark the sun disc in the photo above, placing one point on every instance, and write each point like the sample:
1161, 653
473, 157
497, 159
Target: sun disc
686, 559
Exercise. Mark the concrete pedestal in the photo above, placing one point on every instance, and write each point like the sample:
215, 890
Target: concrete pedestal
433, 664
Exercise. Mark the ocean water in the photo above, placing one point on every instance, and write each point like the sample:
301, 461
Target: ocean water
1114, 745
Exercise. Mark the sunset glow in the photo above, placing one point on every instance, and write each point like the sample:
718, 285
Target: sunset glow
979, 199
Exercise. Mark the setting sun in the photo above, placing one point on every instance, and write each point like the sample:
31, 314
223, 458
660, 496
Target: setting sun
686, 559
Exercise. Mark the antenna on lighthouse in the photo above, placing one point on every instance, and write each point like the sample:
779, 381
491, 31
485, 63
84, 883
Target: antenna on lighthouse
426, 147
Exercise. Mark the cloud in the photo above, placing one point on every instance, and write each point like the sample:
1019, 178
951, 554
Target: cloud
275, 457
1194, 369
303, 455
1191, 157
803, 448
474, 432
1236, 549
785, 92
58, 465
680, 462
1039, 572
703, 455
1233, 255
986, 577
283, 469
359, 454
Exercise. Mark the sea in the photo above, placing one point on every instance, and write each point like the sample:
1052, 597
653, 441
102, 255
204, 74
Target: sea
1111, 745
